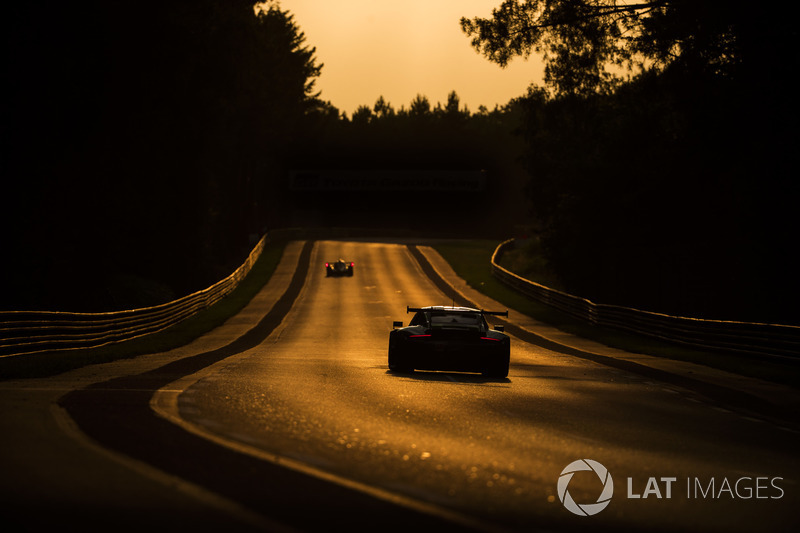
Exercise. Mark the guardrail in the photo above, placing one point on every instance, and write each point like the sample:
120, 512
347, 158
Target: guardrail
25, 332
774, 340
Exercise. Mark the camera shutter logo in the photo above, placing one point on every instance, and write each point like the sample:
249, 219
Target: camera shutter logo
585, 509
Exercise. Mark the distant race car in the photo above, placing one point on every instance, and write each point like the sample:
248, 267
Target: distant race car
450, 338
339, 268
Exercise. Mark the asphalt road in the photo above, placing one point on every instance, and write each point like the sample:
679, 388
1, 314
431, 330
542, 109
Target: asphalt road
304, 428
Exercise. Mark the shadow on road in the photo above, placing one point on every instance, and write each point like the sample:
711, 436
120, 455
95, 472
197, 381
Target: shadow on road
445, 377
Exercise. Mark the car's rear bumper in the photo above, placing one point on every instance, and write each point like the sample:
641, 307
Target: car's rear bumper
455, 356
332, 272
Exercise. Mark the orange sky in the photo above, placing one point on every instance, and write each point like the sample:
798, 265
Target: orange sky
397, 49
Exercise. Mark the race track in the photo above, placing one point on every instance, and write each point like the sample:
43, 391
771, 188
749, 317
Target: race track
295, 423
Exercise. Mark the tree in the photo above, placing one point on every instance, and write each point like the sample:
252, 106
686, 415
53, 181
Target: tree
588, 44
382, 108
420, 106
264, 75
452, 110
286, 59
145, 135
362, 115
664, 187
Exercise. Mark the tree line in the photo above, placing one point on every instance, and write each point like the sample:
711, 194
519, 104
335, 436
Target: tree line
148, 145
148, 142
658, 153
414, 139
421, 136
660, 150
137, 136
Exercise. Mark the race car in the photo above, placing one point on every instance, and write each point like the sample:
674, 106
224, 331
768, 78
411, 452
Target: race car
452, 339
339, 268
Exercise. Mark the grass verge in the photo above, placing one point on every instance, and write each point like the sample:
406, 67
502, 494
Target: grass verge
471, 260
45, 364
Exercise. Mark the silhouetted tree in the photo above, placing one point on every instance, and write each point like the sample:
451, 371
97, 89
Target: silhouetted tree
452, 111
585, 42
415, 138
143, 136
382, 108
653, 190
420, 106
362, 115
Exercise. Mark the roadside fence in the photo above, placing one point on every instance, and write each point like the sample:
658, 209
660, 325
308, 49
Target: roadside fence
771, 340
24, 332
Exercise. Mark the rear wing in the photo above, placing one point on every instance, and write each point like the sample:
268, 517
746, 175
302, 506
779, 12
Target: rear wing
450, 310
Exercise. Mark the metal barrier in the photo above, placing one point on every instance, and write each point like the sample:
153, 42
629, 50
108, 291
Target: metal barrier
24, 332
773, 340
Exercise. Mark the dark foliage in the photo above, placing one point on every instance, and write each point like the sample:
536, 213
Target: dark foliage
139, 139
587, 45
675, 193
148, 141
423, 137
669, 186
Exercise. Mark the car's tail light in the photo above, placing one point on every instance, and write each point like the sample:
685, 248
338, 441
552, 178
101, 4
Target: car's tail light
417, 336
352, 264
490, 339
327, 265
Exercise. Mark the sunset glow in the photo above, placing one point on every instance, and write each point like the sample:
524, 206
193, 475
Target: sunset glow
400, 49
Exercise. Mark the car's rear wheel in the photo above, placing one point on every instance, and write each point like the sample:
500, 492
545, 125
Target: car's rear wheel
397, 362
497, 369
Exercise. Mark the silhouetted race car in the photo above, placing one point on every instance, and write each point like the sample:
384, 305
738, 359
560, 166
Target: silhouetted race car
450, 338
339, 268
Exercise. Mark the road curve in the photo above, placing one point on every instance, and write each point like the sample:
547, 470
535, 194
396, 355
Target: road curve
317, 391
299, 425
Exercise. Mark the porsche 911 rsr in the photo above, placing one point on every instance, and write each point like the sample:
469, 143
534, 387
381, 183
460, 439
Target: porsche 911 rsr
450, 338
339, 268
